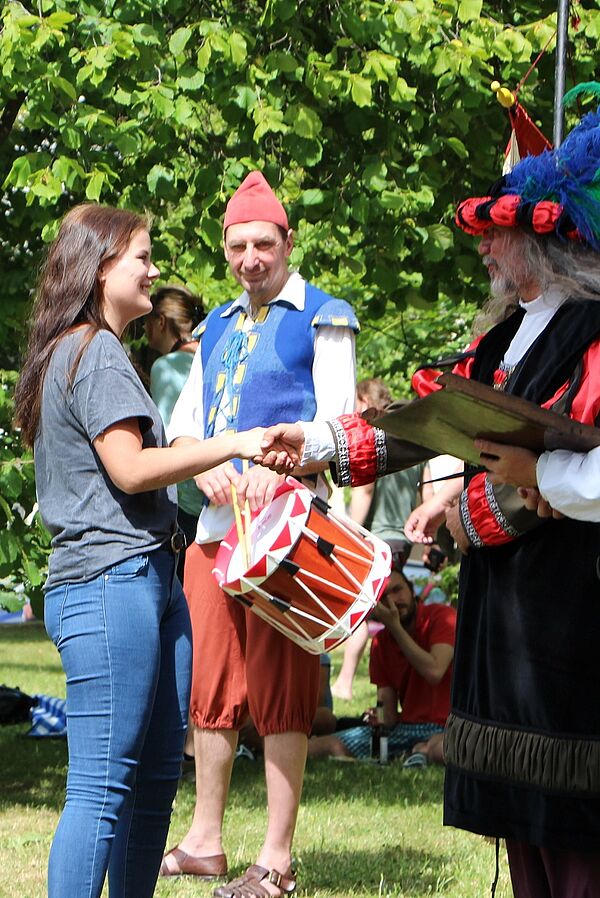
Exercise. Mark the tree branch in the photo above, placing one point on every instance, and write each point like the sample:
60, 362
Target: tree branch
9, 114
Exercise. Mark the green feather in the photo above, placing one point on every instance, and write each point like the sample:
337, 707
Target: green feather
587, 87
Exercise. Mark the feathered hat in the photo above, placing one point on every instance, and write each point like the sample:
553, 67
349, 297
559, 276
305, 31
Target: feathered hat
556, 193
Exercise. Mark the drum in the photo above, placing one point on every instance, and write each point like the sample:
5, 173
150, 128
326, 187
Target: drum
312, 574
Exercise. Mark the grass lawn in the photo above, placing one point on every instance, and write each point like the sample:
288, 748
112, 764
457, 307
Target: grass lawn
362, 831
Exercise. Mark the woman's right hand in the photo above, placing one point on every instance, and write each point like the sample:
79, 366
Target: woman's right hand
248, 442
251, 445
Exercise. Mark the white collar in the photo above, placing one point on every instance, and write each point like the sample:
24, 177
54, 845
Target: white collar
292, 292
546, 302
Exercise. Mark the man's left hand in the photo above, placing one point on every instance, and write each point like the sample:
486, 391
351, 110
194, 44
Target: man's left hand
258, 486
508, 464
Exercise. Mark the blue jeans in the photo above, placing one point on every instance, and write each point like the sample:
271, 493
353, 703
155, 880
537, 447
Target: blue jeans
125, 644
401, 738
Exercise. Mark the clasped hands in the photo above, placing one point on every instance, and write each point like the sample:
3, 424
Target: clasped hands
277, 448
282, 446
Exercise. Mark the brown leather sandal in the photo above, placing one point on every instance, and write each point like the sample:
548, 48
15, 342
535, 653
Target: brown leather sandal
249, 884
207, 868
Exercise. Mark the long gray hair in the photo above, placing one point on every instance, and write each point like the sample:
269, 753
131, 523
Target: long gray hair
570, 266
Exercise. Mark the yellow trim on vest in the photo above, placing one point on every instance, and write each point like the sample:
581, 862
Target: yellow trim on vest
252, 340
220, 382
235, 405
334, 321
262, 314
239, 324
212, 414
239, 375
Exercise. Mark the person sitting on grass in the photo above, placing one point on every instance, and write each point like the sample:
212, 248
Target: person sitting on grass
410, 663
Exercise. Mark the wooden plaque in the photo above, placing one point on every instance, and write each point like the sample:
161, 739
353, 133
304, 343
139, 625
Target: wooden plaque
448, 421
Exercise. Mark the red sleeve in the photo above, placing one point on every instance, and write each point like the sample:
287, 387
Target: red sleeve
361, 450
481, 516
424, 379
586, 404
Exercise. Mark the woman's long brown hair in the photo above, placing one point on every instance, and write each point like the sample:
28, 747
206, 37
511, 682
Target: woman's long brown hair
69, 294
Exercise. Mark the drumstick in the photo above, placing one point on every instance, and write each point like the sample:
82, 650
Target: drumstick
239, 526
247, 519
471, 469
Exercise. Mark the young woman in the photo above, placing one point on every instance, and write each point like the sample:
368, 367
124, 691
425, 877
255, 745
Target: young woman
113, 605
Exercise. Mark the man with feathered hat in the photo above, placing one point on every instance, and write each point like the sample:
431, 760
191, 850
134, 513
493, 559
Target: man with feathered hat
282, 350
522, 742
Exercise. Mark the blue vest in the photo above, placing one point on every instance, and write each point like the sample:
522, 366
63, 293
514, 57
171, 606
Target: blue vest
267, 371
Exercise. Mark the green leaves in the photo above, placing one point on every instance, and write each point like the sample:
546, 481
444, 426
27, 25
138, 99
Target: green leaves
370, 126
313, 197
361, 90
96, 182
9, 549
160, 180
468, 10
179, 40
268, 120
457, 146
63, 86
374, 176
237, 48
304, 121
24, 544
438, 242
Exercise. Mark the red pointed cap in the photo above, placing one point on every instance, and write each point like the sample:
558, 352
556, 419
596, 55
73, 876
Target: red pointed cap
255, 201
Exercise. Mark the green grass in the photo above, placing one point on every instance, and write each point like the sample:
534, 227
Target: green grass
362, 830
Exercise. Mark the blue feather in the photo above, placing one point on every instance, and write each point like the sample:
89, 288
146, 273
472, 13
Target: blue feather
569, 175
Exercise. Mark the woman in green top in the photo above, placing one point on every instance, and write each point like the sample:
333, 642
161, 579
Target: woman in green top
169, 329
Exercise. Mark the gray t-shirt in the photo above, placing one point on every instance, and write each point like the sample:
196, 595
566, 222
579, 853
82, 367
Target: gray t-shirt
94, 525
394, 498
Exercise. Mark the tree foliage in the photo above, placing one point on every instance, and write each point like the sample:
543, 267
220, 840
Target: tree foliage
370, 118
23, 538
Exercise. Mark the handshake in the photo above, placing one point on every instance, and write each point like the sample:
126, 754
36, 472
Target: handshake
281, 448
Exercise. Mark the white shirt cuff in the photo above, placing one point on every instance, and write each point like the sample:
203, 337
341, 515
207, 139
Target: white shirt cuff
570, 482
319, 444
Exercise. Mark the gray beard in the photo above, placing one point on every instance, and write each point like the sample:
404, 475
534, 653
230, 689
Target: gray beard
503, 287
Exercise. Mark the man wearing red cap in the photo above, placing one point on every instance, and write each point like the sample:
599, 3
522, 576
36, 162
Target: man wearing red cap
283, 350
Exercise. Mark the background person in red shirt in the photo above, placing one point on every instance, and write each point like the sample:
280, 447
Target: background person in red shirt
411, 665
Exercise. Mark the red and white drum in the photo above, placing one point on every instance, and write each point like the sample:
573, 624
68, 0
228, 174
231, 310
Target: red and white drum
313, 575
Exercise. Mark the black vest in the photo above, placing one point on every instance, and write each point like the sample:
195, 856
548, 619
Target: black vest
523, 741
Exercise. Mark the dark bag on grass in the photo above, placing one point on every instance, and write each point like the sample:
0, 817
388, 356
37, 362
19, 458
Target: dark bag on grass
15, 706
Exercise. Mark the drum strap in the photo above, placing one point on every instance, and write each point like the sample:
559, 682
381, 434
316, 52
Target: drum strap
290, 567
325, 547
320, 504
